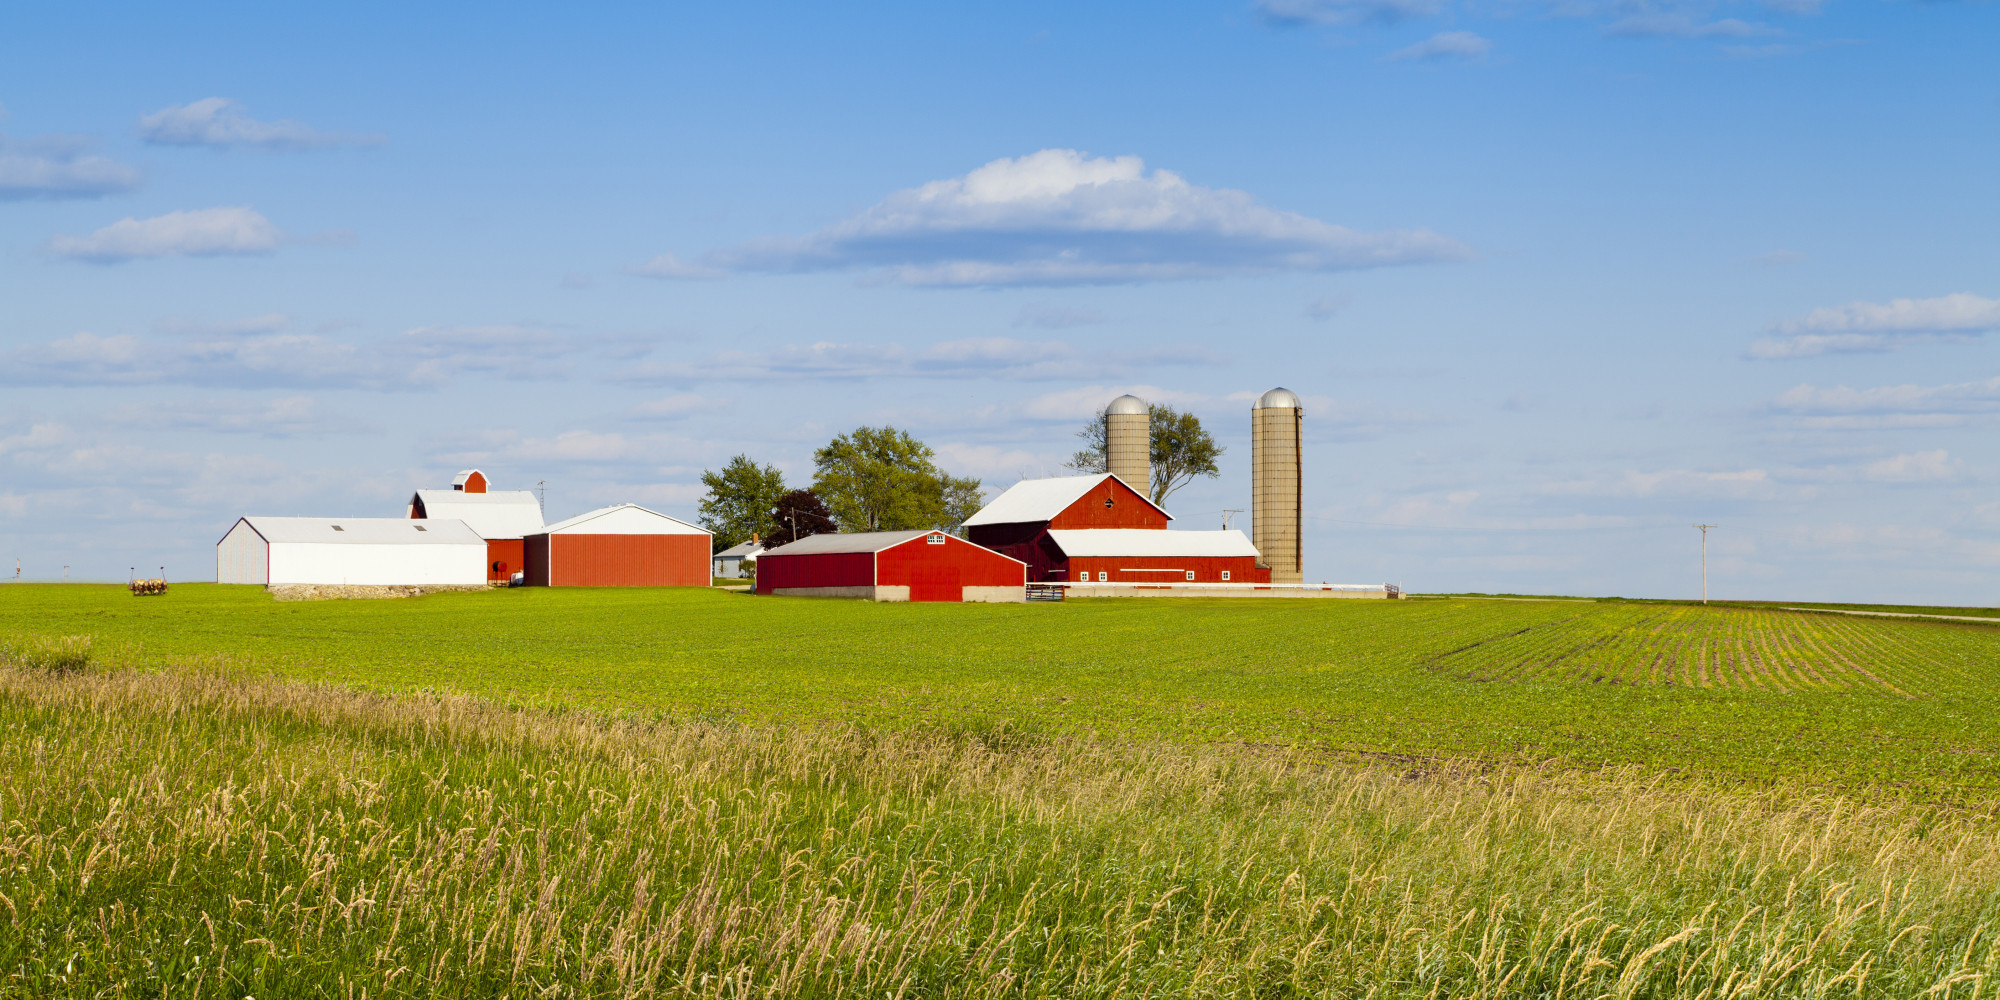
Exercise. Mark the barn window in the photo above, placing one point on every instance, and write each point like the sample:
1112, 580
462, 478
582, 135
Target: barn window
1107, 503
1102, 576
1225, 576
1190, 574
937, 539
338, 528
1083, 576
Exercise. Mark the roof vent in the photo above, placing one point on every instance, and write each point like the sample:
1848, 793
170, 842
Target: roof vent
338, 528
419, 527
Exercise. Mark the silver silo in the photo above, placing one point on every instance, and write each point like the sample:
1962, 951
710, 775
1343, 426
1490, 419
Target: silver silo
1276, 497
1128, 442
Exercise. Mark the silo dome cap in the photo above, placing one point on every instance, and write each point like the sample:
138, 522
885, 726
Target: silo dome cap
1278, 399
1127, 404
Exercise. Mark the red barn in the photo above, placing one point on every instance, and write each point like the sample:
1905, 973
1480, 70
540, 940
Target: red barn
891, 566
1098, 524
624, 545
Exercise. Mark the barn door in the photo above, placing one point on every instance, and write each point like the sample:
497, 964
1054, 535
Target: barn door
935, 583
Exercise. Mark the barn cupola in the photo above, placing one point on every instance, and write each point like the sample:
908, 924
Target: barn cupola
470, 481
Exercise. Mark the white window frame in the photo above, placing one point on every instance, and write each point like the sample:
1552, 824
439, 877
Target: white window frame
1225, 576
1190, 574
1083, 576
937, 539
1103, 576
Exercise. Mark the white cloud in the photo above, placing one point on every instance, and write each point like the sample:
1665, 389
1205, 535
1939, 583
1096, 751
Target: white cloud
1669, 483
1681, 24
258, 354
1960, 397
1445, 45
207, 232
667, 265
1879, 326
1085, 402
656, 453
283, 417
221, 123
993, 462
1917, 467
59, 167
982, 357
1302, 12
1058, 217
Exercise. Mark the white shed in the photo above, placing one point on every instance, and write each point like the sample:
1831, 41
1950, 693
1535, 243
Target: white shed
361, 551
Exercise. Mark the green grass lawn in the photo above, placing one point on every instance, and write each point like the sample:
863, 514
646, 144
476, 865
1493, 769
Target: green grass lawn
1741, 693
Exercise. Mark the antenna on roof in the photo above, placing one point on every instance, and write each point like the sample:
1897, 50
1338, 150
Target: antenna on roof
541, 488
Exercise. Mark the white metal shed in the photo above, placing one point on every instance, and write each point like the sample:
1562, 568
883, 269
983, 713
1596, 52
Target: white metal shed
363, 551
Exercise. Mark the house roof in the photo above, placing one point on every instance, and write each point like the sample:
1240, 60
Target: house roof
502, 514
1150, 542
621, 519
857, 541
364, 530
741, 550
1042, 499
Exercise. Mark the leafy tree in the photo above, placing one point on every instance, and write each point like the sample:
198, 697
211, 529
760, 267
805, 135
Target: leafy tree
882, 479
739, 500
1181, 450
797, 515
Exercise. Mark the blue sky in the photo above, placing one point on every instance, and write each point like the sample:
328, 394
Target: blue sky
1556, 279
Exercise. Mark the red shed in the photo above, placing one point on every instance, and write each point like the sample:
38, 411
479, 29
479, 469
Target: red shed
891, 566
624, 545
1017, 523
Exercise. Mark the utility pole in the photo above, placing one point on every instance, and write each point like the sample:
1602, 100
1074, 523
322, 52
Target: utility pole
1226, 515
1704, 559
541, 497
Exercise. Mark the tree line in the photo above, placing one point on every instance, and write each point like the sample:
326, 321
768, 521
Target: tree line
870, 479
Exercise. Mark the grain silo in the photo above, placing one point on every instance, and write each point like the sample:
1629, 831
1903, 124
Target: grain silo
1128, 442
1275, 493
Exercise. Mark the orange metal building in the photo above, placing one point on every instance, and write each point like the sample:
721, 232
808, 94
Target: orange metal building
624, 545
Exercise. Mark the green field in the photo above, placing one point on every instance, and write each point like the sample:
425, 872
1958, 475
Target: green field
568, 793
1838, 701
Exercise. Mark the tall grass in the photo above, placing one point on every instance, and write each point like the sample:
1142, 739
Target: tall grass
187, 834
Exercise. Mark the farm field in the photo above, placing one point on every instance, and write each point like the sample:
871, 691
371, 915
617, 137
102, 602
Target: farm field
1897, 706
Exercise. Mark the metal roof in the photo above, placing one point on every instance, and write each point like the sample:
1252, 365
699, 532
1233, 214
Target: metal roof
364, 531
1278, 399
858, 541
740, 550
1128, 404
503, 514
592, 515
1042, 499
1151, 542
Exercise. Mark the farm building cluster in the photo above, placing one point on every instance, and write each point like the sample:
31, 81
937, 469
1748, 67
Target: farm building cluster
1097, 535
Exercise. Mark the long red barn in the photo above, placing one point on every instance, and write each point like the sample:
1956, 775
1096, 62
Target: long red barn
891, 566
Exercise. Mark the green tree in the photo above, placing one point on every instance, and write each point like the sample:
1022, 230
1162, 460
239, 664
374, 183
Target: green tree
882, 479
1181, 450
798, 514
739, 500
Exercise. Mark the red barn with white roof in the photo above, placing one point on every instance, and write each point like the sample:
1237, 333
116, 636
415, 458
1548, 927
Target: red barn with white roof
891, 566
1100, 525
624, 545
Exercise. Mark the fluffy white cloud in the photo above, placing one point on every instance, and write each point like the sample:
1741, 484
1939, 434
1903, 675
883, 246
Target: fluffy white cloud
1300, 12
1670, 483
1917, 467
220, 122
206, 232
983, 357
1959, 397
1059, 217
1445, 45
1879, 326
58, 167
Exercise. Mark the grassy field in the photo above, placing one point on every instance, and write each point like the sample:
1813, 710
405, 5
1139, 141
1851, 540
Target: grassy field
1740, 693
569, 793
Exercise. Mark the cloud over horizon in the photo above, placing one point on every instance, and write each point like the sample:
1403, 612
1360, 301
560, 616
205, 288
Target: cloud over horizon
977, 357
204, 232
51, 167
1444, 45
221, 123
1059, 217
1878, 326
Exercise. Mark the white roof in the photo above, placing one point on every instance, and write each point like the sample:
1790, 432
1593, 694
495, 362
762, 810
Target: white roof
505, 514
858, 541
741, 550
364, 530
1151, 542
1043, 499
624, 519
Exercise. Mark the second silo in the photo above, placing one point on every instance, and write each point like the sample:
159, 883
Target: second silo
1128, 442
1276, 497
